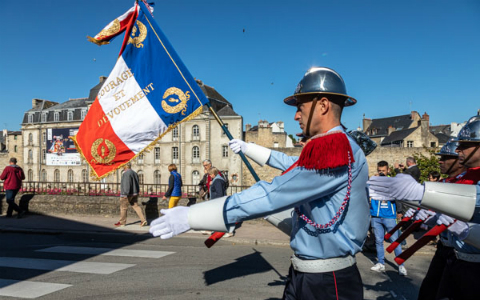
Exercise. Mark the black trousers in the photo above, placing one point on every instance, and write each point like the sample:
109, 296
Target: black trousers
345, 284
460, 281
430, 284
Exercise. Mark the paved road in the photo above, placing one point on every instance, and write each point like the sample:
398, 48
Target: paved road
135, 266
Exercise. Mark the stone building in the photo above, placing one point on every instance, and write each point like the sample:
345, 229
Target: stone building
11, 145
270, 135
406, 131
48, 124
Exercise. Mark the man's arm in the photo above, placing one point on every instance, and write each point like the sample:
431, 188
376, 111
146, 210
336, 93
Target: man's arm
22, 174
170, 186
4, 174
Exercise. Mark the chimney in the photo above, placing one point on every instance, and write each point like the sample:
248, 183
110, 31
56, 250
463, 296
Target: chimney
366, 124
390, 129
103, 78
426, 117
248, 127
36, 103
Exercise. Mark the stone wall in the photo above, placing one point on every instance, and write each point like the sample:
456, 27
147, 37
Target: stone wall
390, 154
82, 205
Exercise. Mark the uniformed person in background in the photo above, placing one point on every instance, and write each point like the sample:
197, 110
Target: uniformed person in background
326, 186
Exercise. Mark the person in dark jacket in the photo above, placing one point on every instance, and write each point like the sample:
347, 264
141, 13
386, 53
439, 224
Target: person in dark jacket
411, 168
205, 182
12, 176
174, 186
218, 186
129, 188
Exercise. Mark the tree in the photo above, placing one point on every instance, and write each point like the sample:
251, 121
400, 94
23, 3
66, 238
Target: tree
294, 140
427, 164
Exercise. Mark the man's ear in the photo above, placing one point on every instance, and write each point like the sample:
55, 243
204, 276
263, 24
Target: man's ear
323, 105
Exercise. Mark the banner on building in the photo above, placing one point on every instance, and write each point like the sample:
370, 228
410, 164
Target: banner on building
148, 93
61, 149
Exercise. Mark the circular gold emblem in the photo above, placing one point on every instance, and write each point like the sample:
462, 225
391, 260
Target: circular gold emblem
182, 98
142, 34
102, 157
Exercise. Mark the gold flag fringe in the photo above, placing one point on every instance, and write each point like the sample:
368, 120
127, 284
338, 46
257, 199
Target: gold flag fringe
95, 41
148, 148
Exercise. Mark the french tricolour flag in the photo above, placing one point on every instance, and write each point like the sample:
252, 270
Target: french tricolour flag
148, 93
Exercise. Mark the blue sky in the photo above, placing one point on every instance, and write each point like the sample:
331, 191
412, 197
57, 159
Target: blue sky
395, 56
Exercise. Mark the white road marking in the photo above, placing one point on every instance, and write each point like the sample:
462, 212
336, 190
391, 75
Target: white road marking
107, 251
62, 265
28, 289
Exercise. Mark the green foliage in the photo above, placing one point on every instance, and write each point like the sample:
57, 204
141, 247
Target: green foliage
427, 164
294, 140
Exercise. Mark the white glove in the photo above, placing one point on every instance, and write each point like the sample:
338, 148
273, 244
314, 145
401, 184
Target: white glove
238, 145
401, 187
410, 212
458, 228
425, 215
173, 222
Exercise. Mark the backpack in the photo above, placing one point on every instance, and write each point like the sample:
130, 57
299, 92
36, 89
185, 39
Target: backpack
227, 182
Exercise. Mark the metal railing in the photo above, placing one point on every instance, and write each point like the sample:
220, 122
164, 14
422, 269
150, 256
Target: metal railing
107, 189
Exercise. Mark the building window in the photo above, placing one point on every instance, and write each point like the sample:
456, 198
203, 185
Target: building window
15, 148
30, 139
43, 176
30, 156
70, 115
44, 155
223, 131
433, 144
141, 177
175, 155
30, 118
175, 134
84, 176
44, 137
196, 155
44, 117
15, 137
409, 144
156, 155
275, 145
56, 175
30, 175
156, 177
195, 177
224, 151
70, 176
56, 116
84, 113
140, 159
195, 133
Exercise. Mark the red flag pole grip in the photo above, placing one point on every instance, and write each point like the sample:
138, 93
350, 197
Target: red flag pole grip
215, 237
427, 237
404, 235
397, 227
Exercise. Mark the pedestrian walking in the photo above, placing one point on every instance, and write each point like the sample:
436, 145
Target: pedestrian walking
12, 176
129, 189
174, 191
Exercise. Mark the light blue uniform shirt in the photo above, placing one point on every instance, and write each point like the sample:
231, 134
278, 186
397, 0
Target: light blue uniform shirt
318, 195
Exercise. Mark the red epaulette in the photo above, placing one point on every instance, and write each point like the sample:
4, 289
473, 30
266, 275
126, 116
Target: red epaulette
327, 151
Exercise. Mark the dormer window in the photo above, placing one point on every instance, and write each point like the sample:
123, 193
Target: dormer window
84, 113
56, 116
30, 118
70, 115
44, 117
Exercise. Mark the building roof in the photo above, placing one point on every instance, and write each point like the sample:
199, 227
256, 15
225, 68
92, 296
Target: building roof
397, 136
219, 104
442, 138
379, 127
445, 129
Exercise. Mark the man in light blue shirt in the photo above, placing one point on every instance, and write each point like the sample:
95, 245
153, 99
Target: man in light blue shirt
325, 186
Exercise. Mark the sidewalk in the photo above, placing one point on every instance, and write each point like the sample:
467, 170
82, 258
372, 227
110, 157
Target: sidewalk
251, 232
254, 232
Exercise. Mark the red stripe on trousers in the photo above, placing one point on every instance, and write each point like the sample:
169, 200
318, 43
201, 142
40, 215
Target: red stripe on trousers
335, 280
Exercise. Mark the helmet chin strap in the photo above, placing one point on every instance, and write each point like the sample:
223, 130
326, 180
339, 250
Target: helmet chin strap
471, 154
312, 109
450, 169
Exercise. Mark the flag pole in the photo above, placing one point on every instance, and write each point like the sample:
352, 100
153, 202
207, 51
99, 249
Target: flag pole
230, 137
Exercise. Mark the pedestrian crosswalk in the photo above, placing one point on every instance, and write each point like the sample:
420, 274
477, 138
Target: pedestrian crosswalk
28, 289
